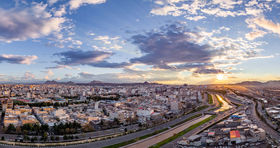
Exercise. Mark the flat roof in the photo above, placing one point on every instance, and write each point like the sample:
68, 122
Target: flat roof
234, 134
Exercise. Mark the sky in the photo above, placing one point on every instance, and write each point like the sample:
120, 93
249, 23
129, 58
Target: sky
122, 41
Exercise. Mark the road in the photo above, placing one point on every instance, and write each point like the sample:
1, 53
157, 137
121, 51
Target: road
254, 117
259, 108
162, 136
124, 138
274, 134
12, 137
202, 127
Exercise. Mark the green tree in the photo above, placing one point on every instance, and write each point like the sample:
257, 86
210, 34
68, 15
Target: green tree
57, 138
65, 137
45, 136
11, 129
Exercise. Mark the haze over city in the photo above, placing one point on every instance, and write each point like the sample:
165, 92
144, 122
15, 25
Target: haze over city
122, 41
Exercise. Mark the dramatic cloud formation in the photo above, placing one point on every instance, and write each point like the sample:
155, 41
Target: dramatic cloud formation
17, 59
159, 47
27, 23
200, 52
91, 58
75, 4
208, 38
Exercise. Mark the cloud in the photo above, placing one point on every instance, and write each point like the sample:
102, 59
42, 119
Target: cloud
63, 67
91, 58
51, 2
60, 12
49, 73
167, 10
86, 75
265, 24
17, 59
75, 4
255, 34
175, 47
106, 39
228, 4
198, 9
253, 11
208, 71
107, 43
28, 76
28, 23
195, 18
158, 48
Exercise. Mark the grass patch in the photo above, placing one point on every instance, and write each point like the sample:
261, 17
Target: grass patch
236, 104
158, 131
135, 140
214, 109
188, 119
182, 132
199, 109
210, 99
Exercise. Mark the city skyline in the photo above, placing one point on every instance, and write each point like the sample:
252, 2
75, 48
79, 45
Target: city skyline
169, 42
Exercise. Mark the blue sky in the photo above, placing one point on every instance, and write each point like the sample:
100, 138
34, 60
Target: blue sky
165, 41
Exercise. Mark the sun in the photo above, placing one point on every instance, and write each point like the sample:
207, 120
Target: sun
220, 77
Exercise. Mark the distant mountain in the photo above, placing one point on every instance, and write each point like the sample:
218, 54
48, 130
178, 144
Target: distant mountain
98, 83
55, 82
51, 82
95, 82
250, 83
274, 83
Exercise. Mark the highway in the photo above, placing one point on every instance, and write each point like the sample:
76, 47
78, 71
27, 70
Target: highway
157, 138
124, 138
162, 136
254, 117
256, 120
204, 126
12, 137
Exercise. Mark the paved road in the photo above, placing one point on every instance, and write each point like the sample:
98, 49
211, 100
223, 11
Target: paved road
259, 108
254, 117
116, 140
206, 125
274, 134
201, 128
12, 137
162, 136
